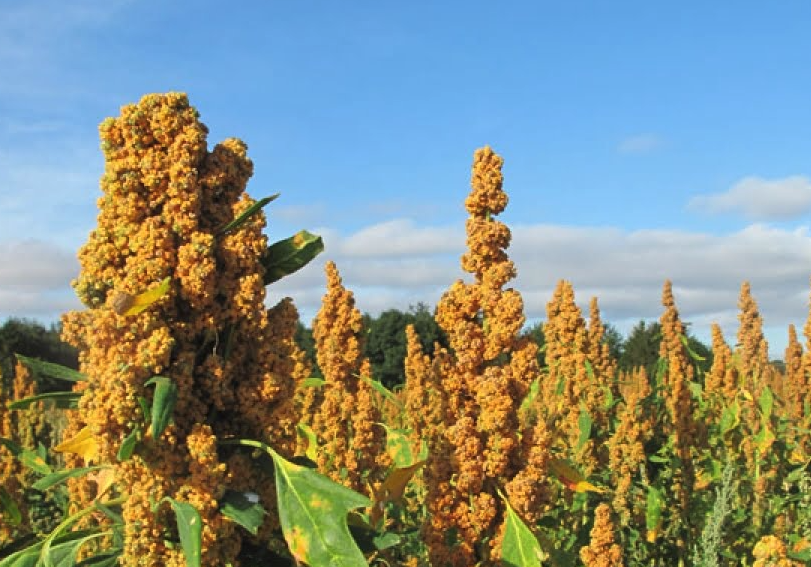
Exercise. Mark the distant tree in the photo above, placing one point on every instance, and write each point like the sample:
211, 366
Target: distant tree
305, 341
615, 341
641, 348
32, 339
535, 332
386, 340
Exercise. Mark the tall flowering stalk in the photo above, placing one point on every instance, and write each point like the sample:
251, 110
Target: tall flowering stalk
602, 551
626, 448
675, 384
347, 421
164, 216
581, 380
486, 377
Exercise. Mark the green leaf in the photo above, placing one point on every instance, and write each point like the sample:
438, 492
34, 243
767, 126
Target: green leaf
106, 559
249, 212
693, 354
313, 513
385, 541
532, 394
190, 529
286, 256
312, 441
764, 438
28, 557
239, 508
520, 547
10, 511
56, 537
584, 423
59, 477
653, 512
163, 403
382, 390
730, 417
51, 370
34, 461
589, 370
766, 402
63, 554
65, 400
128, 444
313, 382
398, 447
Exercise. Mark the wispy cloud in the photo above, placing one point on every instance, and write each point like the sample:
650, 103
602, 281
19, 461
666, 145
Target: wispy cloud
400, 263
760, 199
640, 144
624, 269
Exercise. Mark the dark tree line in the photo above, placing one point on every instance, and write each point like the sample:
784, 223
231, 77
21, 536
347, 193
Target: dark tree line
385, 344
32, 339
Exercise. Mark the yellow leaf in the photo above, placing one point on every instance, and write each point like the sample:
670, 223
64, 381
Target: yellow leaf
746, 394
570, 477
125, 304
565, 473
393, 488
83, 444
104, 479
652, 535
584, 486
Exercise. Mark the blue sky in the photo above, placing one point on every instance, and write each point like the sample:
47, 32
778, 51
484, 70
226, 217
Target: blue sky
642, 141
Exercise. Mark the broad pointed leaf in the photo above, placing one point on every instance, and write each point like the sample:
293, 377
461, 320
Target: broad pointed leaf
249, 212
83, 444
290, 255
59, 477
313, 513
128, 445
190, 529
307, 433
163, 403
239, 508
519, 547
51, 370
65, 400
34, 461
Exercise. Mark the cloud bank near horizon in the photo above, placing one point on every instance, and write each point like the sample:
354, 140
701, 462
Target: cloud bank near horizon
399, 263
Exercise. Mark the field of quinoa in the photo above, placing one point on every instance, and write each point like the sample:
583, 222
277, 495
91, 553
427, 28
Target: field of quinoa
195, 434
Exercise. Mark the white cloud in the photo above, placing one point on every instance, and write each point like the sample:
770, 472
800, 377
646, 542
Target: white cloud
400, 237
35, 279
760, 199
624, 269
44, 193
34, 265
400, 263
640, 144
